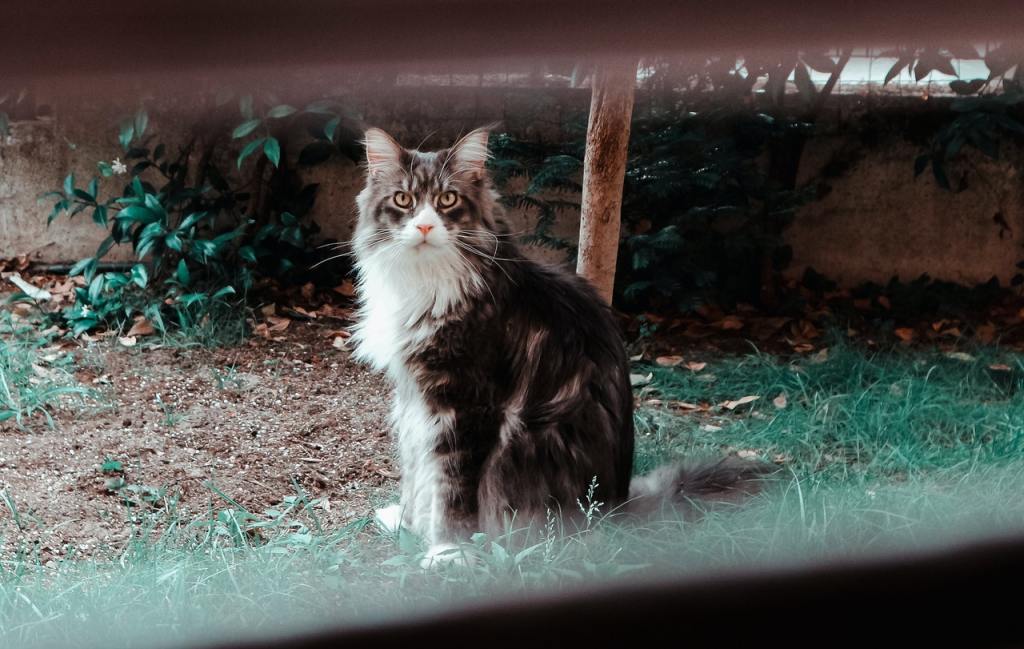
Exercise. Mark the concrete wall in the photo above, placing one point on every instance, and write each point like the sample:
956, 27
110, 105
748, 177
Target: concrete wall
875, 222
38, 154
878, 222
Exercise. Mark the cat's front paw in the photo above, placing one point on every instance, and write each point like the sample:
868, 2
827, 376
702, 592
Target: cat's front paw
443, 554
389, 518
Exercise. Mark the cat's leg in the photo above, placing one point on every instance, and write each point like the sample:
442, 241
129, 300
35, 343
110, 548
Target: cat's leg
463, 455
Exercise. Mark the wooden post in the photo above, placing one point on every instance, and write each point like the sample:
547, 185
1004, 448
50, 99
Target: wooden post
604, 168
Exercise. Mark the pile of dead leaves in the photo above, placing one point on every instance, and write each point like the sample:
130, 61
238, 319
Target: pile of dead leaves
804, 325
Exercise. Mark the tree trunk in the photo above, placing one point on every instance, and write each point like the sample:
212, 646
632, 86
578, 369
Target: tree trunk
604, 168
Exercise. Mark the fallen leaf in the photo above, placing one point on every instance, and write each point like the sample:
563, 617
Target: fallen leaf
694, 366
1000, 367
141, 327
668, 361
127, 341
747, 454
960, 356
34, 292
821, 356
346, 288
986, 333
277, 323
906, 334
637, 380
268, 309
732, 405
685, 405
339, 343
730, 323
780, 401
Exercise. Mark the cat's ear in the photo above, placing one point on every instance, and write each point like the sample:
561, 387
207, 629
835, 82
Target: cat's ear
471, 152
382, 152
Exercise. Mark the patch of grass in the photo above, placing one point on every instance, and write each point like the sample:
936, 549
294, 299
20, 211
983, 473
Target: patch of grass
855, 415
881, 451
36, 377
215, 325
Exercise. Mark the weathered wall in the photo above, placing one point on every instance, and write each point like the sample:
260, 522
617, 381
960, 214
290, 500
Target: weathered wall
38, 154
878, 221
875, 223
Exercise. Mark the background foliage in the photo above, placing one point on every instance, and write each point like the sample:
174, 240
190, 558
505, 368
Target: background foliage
207, 218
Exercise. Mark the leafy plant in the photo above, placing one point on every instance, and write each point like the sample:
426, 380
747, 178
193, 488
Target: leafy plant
696, 204
203, 231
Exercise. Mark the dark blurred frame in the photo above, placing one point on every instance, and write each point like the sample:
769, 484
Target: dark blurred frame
964, 597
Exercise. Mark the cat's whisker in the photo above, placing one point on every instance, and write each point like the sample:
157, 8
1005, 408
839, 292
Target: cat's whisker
468, 268
480, 253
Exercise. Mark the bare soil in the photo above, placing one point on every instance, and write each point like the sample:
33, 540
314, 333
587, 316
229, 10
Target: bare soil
249, 419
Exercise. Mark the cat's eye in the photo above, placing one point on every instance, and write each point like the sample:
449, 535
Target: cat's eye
402, 199
447, 199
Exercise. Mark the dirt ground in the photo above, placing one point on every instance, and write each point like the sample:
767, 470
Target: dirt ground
249, 419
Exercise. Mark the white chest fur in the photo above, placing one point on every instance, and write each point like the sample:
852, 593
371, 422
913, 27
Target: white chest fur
402, 302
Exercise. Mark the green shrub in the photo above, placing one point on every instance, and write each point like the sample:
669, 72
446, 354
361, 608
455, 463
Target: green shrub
203, 232
698, 211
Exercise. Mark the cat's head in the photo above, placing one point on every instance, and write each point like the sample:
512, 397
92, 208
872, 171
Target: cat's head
426, 203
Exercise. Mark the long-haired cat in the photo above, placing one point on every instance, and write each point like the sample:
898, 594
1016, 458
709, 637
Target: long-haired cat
511, 382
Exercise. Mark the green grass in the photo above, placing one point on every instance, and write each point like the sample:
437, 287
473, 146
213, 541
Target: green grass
881, 451
35, 376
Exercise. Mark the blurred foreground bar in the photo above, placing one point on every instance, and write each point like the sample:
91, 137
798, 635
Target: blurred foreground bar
957, 598
65, 37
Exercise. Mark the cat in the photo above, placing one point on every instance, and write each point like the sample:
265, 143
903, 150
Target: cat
511, 381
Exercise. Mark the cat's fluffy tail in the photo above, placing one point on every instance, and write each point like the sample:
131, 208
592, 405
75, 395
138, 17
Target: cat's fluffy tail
693, 486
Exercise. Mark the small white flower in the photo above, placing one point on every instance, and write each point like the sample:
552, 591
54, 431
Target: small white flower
119, 167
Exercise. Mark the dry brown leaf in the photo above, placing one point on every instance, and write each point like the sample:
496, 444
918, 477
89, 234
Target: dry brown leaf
694, 366
268, 309
985, 333
346, 288
906, 334
780, 401
730, 323
1000, 367
732, 405
141, 327
277, 323
668, 361
127, 341
339, 343
685, 405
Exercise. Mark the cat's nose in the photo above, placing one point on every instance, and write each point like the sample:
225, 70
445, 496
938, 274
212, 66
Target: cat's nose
425, 229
